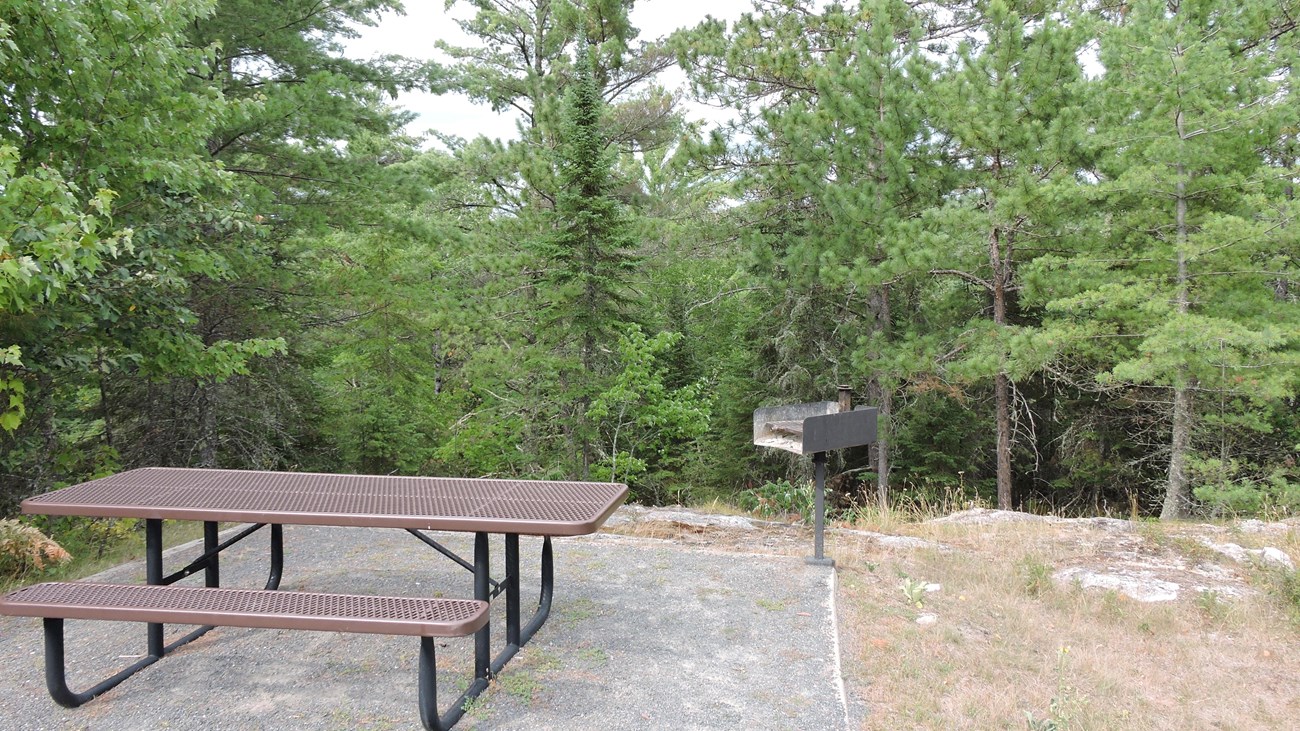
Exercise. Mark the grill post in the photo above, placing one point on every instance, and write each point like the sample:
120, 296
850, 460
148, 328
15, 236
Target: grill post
819, 520
816, 429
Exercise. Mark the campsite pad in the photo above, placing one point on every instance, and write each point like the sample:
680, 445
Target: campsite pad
643, 634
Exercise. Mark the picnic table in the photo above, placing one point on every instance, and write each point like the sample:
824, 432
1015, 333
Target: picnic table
416, 504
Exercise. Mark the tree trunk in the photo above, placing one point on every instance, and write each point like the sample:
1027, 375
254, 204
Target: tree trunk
883, 316
207, 426
886, 406
1002, 387
1001, 383
1178, 493
882, 448
584, 402
43, 479
105, 412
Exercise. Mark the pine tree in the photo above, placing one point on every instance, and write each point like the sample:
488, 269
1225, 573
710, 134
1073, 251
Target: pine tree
1193, 221
1012, 133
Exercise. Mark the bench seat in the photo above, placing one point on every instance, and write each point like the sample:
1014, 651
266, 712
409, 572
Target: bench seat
427, 619
421, 617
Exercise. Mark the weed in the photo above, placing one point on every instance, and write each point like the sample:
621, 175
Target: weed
25, 550
779, 499
594, 655
475, 707
1112, 604
772, 605
917, 503
1060, 709
914, 591
1196, 551
578, 610
1153, 532
1283, 585
1035, 574
521, 685
1212, 606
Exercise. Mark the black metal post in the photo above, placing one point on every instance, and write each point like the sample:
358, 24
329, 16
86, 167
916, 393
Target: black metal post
512, 589
153, 574
56, 679
547, 592
277, 556
819, 507
482, 638
212, 572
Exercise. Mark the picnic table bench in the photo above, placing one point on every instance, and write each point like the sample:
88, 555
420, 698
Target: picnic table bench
415, 504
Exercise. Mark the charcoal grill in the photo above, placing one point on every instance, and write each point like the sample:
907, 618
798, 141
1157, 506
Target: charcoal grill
816, 429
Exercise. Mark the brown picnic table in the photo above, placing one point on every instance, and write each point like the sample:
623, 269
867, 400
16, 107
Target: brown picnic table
416, 504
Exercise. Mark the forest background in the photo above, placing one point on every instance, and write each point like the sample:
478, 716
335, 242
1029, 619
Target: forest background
1053, 242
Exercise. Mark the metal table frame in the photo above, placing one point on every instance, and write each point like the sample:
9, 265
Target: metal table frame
103, 498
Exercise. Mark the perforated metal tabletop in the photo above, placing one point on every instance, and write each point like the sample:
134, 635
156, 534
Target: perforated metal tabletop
530, 507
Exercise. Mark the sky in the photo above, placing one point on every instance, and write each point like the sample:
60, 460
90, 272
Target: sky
426, 21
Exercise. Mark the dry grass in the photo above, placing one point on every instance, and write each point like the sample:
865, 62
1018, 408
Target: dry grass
1011, 649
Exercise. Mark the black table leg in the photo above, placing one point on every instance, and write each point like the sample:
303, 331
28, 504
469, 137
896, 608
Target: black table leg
482, 638
212, 572
512, 589
547, 591
153, 573
277, 556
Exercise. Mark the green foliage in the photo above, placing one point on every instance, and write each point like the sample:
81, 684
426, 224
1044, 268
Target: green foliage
219, 248
780, 499
588, 257
1239, 488
914, 591
644, 425
1035, 574
49, 239
1283, 585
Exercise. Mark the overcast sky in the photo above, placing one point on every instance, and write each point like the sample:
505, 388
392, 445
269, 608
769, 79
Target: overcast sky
425, 21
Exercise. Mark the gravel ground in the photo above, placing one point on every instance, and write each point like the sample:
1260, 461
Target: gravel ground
645, 633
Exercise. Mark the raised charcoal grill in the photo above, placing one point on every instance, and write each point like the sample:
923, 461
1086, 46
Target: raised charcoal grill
816, 429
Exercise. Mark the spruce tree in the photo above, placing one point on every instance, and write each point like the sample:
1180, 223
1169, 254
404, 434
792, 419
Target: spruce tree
589, 255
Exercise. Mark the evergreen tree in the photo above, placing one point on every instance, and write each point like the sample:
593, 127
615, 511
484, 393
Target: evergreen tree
589, 256
1012, 133
1193, 227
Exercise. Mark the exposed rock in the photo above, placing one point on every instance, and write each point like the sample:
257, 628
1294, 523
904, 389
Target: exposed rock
927, 619
1110, 524
685, 516
984, 516
889, 541
1221, 590
1253, 525
1266, 555
705, 520
1277, 556
1139, 585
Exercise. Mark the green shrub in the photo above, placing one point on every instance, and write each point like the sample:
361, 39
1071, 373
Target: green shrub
780, 499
